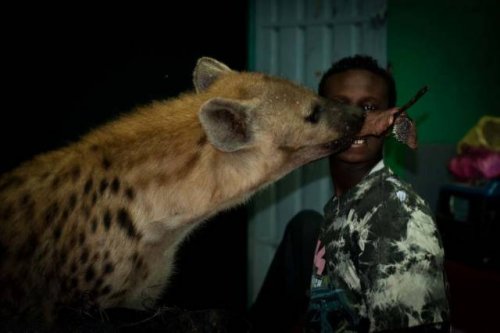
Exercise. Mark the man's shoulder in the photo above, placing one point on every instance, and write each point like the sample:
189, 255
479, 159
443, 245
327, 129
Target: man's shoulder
390, 188
386, 199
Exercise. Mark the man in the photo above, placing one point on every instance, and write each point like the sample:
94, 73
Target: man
378, 258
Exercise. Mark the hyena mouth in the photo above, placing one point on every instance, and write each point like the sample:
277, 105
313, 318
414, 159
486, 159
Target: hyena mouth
340, 144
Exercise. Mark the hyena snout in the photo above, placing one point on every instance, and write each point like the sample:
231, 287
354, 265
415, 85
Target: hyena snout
346, 120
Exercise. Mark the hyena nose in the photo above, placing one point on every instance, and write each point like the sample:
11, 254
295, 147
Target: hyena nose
353, 110
353, 119
345, 119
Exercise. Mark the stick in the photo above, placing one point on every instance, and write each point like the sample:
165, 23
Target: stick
415, 98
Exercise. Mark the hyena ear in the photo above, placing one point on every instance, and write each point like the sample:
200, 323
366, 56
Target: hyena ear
227, 123
205, 73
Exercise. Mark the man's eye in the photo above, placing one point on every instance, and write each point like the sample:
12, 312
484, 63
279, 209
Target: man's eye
369, 107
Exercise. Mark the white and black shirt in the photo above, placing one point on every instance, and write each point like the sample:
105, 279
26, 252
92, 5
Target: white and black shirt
379, 261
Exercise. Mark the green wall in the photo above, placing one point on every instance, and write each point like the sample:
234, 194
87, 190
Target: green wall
454, 48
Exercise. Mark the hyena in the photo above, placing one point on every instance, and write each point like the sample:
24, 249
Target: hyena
100, 220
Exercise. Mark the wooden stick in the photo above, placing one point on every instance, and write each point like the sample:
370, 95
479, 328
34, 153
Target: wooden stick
415, 98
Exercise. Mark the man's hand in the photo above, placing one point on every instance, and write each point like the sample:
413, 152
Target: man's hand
382, 122
378, 122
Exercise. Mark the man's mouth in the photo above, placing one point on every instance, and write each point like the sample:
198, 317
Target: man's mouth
358, 142
346, 143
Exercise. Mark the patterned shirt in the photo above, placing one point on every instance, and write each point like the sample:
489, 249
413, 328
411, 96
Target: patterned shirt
379, 261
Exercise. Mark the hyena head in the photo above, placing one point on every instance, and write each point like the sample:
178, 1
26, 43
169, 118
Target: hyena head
282, 124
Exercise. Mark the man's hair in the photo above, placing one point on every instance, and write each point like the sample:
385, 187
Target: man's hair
361, 62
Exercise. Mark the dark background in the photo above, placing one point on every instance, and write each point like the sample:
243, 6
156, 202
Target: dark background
66, 70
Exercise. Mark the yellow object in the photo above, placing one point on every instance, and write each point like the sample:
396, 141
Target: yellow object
485, 134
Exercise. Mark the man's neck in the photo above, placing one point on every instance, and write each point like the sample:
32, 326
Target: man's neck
347, 175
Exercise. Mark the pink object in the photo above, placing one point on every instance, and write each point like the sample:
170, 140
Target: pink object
475, 163
319, 261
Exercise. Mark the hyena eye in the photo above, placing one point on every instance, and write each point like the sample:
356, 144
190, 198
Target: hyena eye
313, 118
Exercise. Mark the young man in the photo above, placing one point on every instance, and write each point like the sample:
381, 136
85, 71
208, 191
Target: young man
378, 259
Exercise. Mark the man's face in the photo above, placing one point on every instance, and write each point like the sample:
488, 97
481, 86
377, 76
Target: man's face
368, 91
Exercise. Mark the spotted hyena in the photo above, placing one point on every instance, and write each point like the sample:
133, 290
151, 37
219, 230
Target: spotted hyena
100, 220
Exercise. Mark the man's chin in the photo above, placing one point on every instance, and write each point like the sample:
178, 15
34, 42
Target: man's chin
350, 158
356, 154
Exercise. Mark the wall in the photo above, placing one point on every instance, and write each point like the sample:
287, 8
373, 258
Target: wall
453, 47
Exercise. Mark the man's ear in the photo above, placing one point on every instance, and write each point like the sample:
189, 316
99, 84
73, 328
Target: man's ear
227, 123
205, 73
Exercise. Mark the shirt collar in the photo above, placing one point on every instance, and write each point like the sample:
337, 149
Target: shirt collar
379, 166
